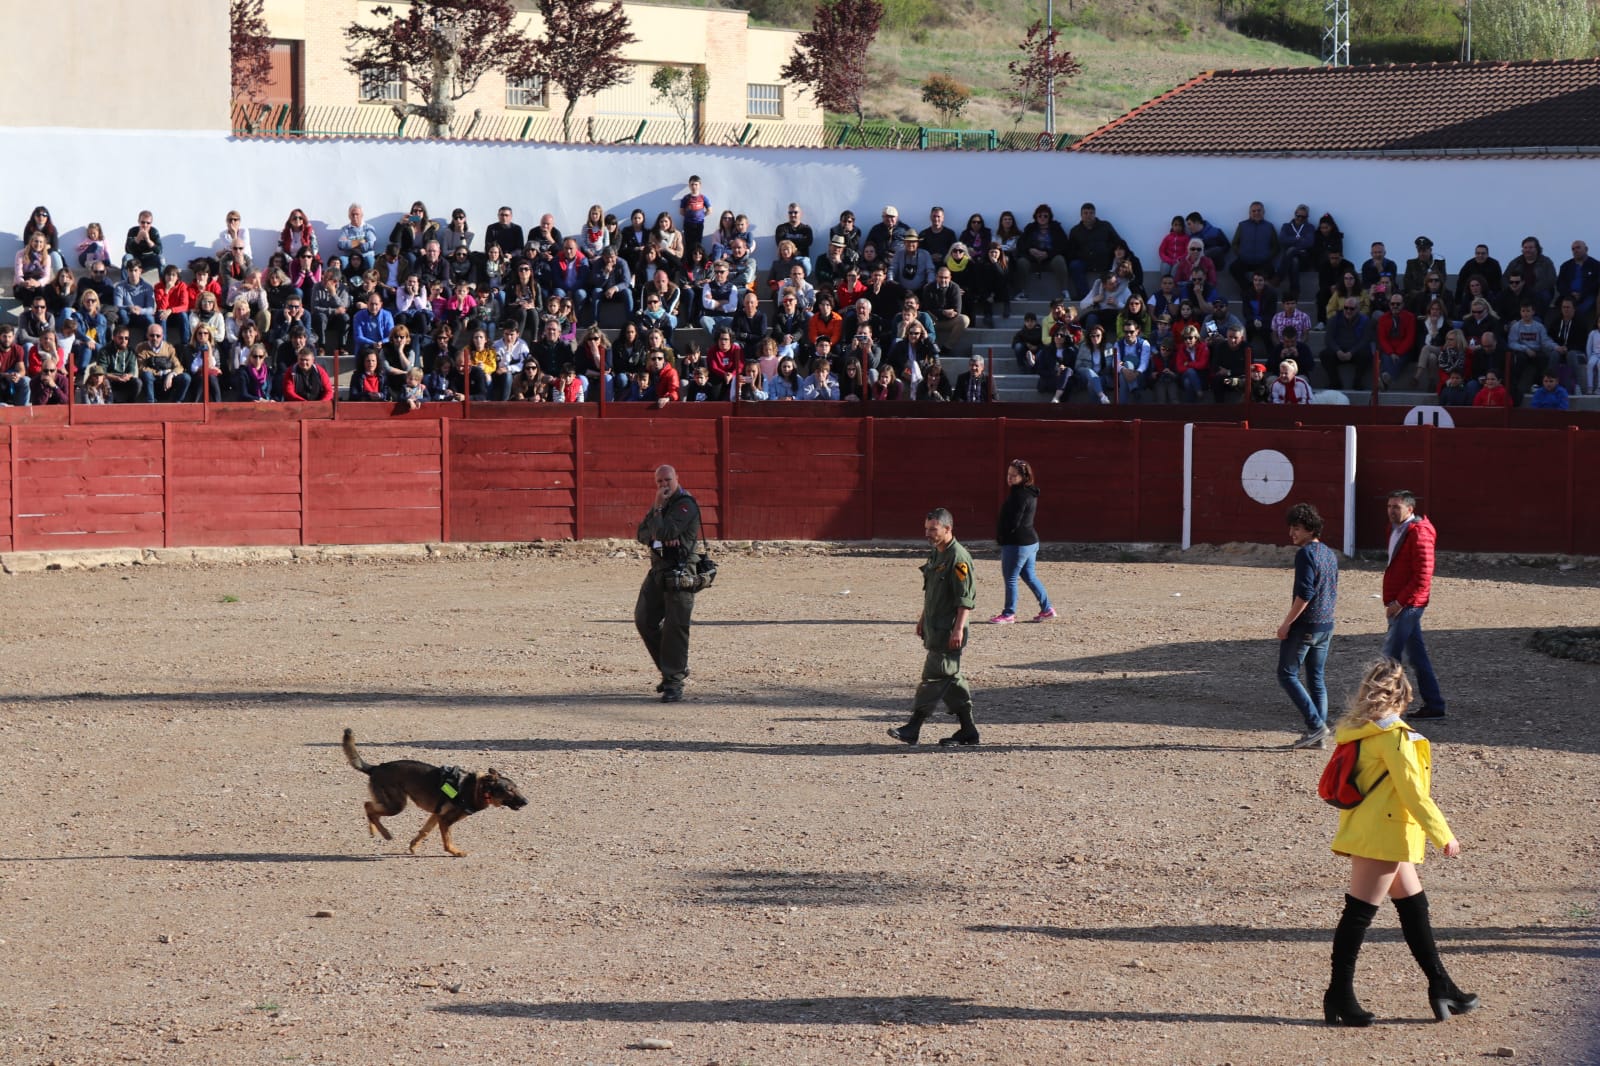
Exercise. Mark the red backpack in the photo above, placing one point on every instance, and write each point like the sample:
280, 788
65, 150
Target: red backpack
1338, 783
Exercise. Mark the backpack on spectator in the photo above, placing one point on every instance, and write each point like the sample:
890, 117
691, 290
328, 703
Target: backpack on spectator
1338, 783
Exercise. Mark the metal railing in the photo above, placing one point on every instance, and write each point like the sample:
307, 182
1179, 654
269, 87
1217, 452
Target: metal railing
283, 120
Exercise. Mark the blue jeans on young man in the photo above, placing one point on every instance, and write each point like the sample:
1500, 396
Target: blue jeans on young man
1310, 650
1016, 560
1405, 639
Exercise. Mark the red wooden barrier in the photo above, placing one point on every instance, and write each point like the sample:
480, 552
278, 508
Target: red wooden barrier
234, 484
1246, 479
617, 467
372, 482
512, 480
88, 486
789, 475
7, 479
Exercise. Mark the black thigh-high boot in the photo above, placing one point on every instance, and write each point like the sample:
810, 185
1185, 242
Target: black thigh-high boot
1339, 1004
1443, 995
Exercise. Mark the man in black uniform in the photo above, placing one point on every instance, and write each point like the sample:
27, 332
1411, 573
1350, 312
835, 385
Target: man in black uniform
662, 613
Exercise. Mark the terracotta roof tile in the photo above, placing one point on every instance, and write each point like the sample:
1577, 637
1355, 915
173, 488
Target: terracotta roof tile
1422, 108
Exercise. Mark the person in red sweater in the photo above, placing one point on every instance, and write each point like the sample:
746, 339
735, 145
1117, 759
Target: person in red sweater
663, 387
1493, 394
1397, 339
1407, 584
1191, 361
306, 381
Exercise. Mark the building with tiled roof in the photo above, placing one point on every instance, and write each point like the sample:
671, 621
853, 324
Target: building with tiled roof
1434, 109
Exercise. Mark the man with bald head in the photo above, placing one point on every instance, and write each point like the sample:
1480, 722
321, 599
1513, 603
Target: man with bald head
671, 528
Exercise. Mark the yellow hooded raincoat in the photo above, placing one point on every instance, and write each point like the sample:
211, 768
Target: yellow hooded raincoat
1395, 821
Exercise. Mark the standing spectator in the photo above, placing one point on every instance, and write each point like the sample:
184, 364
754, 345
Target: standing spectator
1044, 245
1385, 837
1306, 631
949, 593
693, 209
1019, 543
143, 244
1407, 583
1255, 246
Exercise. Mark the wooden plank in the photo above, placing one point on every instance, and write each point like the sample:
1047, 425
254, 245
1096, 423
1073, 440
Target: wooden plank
414, 531
222, 484
245, 503
34, 489
370, 431
100, 505
90, 466
64, 524
389, 497
375, 468
228, 537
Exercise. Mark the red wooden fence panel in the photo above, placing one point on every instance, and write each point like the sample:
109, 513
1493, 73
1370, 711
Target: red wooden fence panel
918, 465
617, 466
1584, 491
373, 482
235, 483
789, 475
5, 488
1159, 447
512, 480
1390, 458
88, 487
1499, 490
1087, 473
1232, 499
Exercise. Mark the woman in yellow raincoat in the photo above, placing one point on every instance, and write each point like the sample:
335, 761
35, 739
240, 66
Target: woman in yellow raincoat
1385, 837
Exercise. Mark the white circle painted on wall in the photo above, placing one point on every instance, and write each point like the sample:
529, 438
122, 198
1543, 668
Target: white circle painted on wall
1430, 415
1267, 476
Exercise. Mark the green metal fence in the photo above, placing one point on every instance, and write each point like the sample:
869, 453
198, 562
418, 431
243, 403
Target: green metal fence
263, 120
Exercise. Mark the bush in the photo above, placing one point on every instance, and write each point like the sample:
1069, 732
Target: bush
946, 96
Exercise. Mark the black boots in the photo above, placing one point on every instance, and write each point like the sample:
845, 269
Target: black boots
1339, 1004
1443, 995
908, 733
967, 734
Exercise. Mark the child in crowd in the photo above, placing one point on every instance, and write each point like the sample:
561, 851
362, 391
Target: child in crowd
96, 386
460, 305
1549, 396
1290, 386
1026, 343
415, 394
693, 208
1260, 387
700, 387
1454, 392
1493, 394
437, 384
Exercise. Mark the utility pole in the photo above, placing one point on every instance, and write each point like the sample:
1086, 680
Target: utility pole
1336, 33
1466, 42
1050, 88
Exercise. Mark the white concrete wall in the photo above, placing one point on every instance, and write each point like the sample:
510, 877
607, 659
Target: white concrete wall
191, 180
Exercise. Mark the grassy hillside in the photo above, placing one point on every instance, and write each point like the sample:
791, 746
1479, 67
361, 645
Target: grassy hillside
1130, 50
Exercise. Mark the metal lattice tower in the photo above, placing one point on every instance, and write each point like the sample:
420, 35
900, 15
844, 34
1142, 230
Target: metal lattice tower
1336, 33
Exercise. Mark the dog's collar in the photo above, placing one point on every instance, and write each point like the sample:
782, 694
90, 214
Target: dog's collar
460, 788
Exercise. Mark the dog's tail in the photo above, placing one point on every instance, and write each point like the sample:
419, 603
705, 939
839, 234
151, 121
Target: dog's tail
354, 756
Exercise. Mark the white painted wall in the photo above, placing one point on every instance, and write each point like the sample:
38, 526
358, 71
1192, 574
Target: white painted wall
191, 180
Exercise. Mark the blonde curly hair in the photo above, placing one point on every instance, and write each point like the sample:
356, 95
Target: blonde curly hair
1384, 690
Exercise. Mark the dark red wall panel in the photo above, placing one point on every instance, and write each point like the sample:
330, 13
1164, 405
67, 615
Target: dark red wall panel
1499, 490
616, 466
372, 482
512, 480
5, 488
1223, 511
89, 487
797, 474
235, 483
919, 465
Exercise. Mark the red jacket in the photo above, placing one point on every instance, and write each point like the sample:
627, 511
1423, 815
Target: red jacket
1397, 337
1196, 358
1409, 577
1499, 396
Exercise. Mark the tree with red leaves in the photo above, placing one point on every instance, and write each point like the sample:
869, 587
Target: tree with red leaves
830, 59
580, 51
251, 48
439, 49
1042, 60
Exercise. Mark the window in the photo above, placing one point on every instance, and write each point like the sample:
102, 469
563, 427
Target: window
764, 101
527, 93
378, 86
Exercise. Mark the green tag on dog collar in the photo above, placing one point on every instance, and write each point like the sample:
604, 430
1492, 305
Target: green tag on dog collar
448, 789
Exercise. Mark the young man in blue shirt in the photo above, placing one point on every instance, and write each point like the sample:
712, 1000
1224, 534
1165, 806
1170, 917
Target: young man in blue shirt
1307, 628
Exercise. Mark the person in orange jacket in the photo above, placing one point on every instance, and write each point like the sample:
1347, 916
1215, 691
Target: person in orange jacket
1385, 837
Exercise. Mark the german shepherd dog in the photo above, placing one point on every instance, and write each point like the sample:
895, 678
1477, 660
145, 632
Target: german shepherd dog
447, 793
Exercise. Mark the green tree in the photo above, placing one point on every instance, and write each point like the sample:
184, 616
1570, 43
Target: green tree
947, 96
1530, 29
684, 89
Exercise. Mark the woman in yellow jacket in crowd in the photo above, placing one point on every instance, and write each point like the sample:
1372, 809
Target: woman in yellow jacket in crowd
1385, 838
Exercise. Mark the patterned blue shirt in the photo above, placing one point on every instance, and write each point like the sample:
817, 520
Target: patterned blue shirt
1316, 580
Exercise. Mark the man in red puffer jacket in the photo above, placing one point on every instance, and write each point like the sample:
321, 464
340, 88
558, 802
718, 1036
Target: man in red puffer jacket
1407, 582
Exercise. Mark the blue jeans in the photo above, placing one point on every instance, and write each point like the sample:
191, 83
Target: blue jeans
1405, 638
1017, 560
1310, 650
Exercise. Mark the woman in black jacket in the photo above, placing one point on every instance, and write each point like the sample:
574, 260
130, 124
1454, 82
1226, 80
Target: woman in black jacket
1019, 544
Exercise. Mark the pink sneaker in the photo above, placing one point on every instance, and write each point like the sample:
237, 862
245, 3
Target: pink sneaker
1045, 615
1002, 619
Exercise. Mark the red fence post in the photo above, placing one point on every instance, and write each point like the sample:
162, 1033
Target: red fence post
466, 385
166, 484
578, 527
1572, 490
1377, 375
724, 478
305, 480
444, 480
1427, 465
16, 467
1138, 465
869, 460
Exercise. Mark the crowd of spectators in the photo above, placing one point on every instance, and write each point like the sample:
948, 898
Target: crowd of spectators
430, 312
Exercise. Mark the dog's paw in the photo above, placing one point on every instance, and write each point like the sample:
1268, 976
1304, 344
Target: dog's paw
457, 852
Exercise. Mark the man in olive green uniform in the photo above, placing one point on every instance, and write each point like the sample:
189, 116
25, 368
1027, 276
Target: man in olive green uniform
662, 613
948, 596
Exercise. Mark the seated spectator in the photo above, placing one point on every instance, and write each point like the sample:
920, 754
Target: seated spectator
1432, 334
719, 298
1212, 240
1432, 290
1174, 246
1331, 271
306, 382
305, 272
789, 324
96, 280
1290, 386
119, 361
1493, 394
288, 354
1258, 307
1297, 240
510, 352
942, 302
358, 242
1414, 280
96, 388
550, 349
914, 348
863, 348
255, 377
846, 231
1536, 270
820, 384
702, 386
1454, 392
975, 386
50, 384
1134, 311
1044, 245
741, 264
1108, 296
726, 357
437, 384
1531, 348
1483, 268
143, 246
135, 299
1255, 247
1191, 363
414, 393
1198, 270
886, 386
828, 272
1230, 366
94, 248
1379, 276
1349, 287
1549, 396
373, 323
797, 233
749, 322
1090, 248
661, 385
367, 384
1260, 389
977, 236
935, 386
1487, 355
1216, 323
205, 367
16, 384
1088, 367
609, 282
887, 237
1397, 339
330, 312
161, 374
174, 301
34, 268
804, 293
788, 260
1137, 361
1509, 306
1567, 329
93, 328
1349, 346
911, 267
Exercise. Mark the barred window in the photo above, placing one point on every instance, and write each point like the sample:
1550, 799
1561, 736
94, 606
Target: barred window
527, 93
764, 101
378, 86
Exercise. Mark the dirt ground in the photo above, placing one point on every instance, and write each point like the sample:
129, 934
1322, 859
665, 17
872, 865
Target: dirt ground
1130, 869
